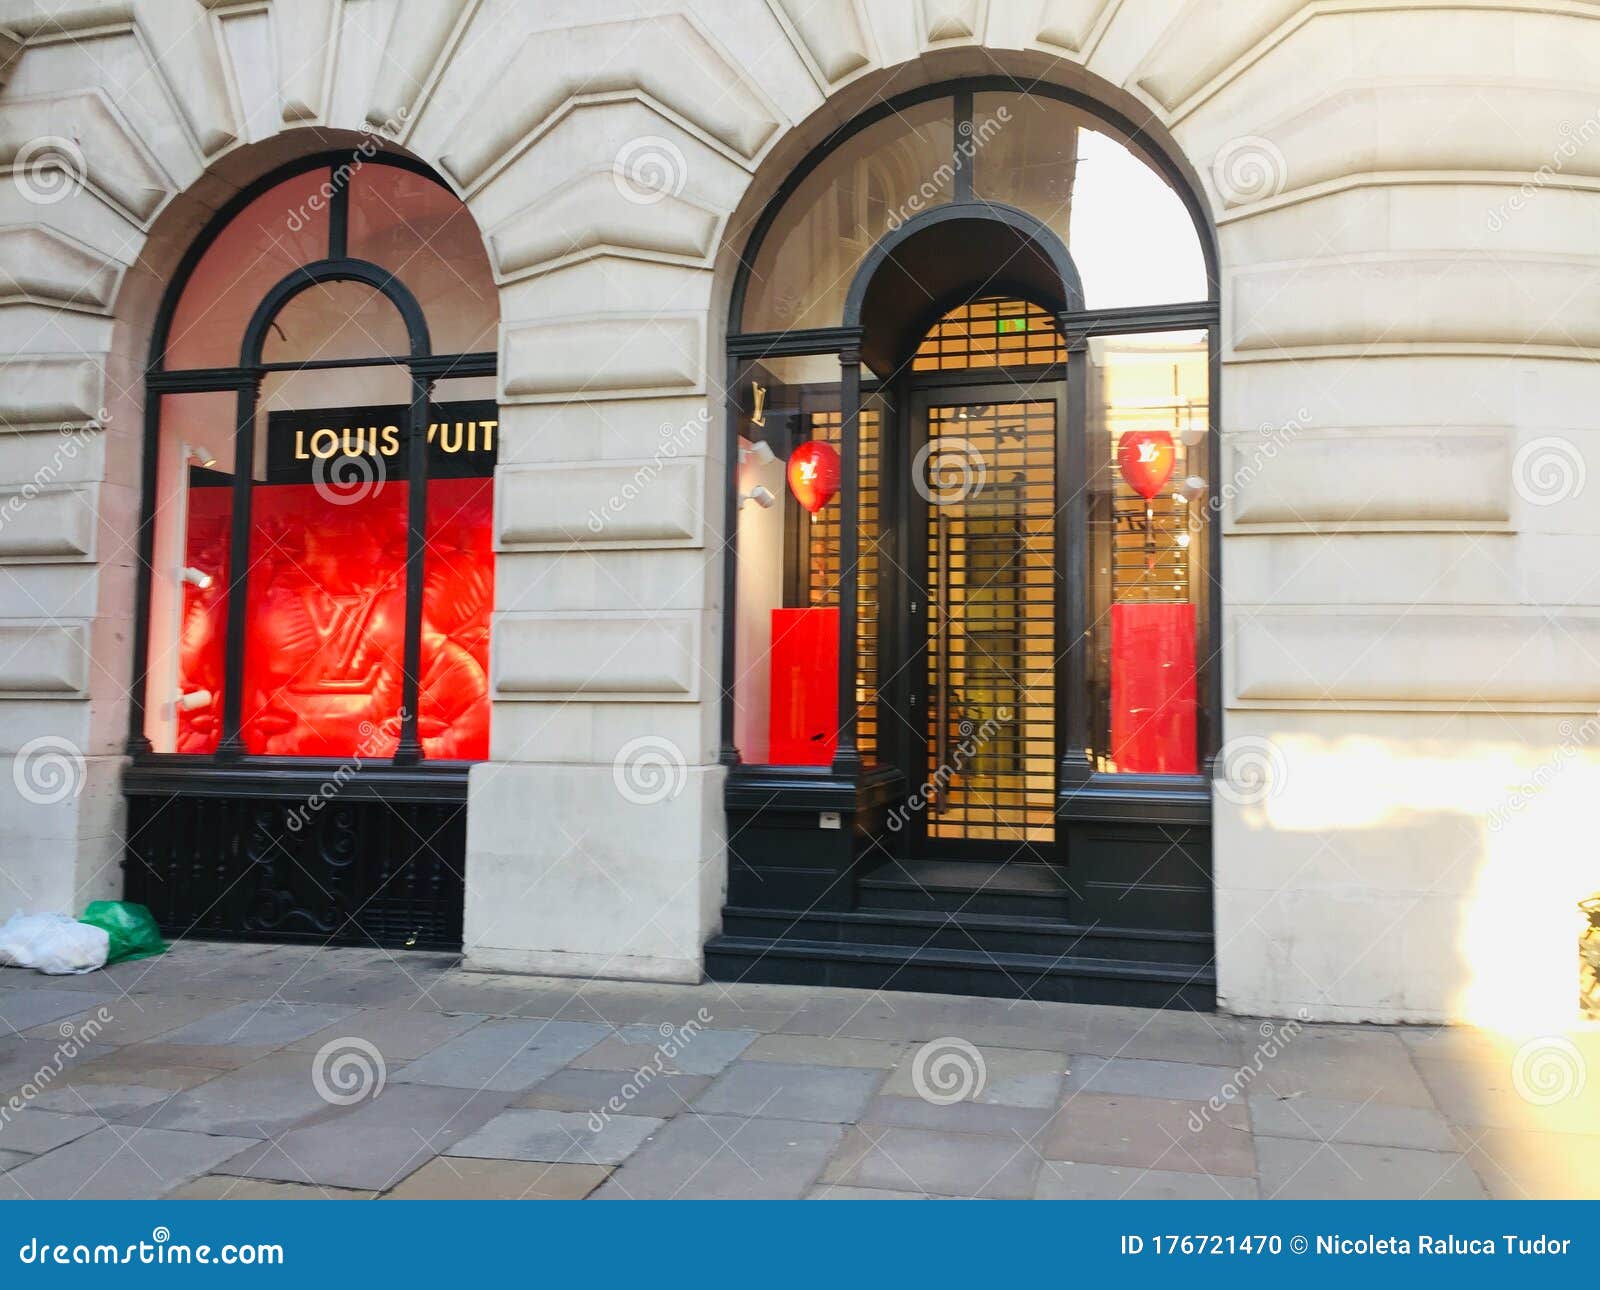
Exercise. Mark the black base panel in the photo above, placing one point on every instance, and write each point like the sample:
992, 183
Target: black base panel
354, 872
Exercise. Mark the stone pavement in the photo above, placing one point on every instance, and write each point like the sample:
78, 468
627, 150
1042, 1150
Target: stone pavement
249, 1071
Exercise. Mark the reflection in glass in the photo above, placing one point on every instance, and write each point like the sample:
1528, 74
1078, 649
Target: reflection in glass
876, 180
333, 320
420, 232
285, 227
189, 572
1131, 237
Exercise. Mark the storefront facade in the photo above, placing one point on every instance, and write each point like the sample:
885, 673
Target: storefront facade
1079, 500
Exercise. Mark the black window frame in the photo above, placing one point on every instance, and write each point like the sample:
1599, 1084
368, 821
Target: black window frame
1077, 324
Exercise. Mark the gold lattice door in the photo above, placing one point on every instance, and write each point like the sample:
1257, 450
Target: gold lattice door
987, 474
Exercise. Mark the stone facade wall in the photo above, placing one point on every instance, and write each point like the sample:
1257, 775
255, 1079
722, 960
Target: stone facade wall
1406, 206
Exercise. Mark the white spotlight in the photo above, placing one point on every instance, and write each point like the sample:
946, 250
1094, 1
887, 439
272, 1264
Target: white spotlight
761, 495
196, 577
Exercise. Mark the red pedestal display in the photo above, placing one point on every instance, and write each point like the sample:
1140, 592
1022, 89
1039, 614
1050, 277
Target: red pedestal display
326, 627
804, 714
1153, 689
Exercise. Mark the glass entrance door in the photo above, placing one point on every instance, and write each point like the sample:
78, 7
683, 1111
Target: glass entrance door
984, 618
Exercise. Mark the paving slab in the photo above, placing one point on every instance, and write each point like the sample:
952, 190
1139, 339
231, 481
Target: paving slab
509, 1056
572, 1137
817, 1050
265, 1023
827, 1191
224, 1187
945, 1164
1378, 1124
1186, 1081
667, 1049
372, 1146
1164, 1035
1530, 1165
22, 1010
117, 1163
722, 1157
1059, 1180
999, 1076
261, 1100
1294, 1169
463, 1178
35, 1131
10, 1159
1342, 1064
135, 1019
139, 1064
400, 1035
616, 1092
37, 1063
114, 1102
1018, 1123
831, 1094
1165, 1133
1517, 1096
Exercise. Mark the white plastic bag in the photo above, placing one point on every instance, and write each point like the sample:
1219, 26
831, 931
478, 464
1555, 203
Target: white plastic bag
53, 943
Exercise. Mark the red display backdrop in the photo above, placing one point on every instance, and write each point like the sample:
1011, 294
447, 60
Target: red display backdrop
803, 721
1153, 688
326, 629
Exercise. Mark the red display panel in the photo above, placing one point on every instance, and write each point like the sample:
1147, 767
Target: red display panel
803, 720
1153, 688
326, 624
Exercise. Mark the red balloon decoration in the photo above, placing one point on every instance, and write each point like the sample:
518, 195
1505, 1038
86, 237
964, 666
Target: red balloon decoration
814, 474
1146, 458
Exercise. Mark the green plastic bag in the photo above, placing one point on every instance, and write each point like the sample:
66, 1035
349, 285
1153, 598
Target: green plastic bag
132, 929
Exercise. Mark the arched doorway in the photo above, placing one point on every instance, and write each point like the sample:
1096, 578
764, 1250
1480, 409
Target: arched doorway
972, 694
316, 563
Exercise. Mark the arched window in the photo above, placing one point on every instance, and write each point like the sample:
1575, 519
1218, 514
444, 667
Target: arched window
316, 563
971, 418
321, 445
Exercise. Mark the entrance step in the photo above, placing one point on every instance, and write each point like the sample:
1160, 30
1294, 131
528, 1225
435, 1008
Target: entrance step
1015, 887
997, 956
